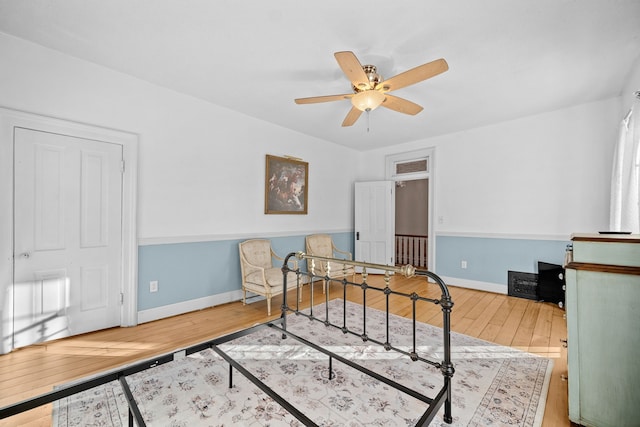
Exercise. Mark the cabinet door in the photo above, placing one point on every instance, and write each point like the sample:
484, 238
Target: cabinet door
603, 321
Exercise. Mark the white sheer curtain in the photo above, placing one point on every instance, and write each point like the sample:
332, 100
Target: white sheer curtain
625, 182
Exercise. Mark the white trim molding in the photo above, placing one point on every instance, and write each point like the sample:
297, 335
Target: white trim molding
188, 306
559, 237
409, 156
148, 241
183, 307
474, 284
428, 154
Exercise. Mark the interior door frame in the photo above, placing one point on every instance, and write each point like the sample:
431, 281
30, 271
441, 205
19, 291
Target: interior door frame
391, 161
11, 119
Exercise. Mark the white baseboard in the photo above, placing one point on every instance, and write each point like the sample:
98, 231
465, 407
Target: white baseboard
187, 306
157, 313
474, 284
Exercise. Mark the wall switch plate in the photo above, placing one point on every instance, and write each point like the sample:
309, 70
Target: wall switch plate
153, 286
463, 264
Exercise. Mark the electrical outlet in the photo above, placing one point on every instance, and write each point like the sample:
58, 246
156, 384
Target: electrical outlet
153, 286
463, 264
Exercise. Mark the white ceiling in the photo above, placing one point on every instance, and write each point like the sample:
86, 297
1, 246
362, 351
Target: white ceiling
507, 58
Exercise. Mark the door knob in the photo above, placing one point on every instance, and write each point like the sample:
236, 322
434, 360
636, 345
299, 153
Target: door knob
25, 254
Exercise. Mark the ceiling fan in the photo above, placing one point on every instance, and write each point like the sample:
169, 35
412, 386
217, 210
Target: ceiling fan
370, 91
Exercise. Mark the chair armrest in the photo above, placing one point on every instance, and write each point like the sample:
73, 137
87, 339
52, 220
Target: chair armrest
279, 258
347, 254
251, 268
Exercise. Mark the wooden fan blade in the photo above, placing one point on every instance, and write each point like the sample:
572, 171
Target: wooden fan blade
352, 116
414, 75
352, 68
401, 105
327, 98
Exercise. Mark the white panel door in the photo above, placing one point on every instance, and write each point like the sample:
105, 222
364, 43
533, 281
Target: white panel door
375, 222
68, 239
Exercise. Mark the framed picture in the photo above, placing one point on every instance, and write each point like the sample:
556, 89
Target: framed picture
285, 190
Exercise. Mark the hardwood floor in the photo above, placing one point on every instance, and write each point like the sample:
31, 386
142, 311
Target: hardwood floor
520, 323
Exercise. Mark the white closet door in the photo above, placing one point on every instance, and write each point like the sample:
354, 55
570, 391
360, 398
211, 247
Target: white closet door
67, 228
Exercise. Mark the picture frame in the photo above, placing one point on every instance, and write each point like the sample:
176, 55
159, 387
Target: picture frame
286, 186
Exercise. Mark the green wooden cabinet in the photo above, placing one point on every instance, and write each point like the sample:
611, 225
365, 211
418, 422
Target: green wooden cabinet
603, 328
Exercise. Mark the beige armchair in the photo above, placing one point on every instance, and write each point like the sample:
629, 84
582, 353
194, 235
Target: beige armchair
260, 273
322, 245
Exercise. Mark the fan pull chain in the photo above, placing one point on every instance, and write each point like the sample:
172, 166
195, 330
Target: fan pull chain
368, 111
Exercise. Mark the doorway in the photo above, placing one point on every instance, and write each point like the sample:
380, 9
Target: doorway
412, 223
413, 175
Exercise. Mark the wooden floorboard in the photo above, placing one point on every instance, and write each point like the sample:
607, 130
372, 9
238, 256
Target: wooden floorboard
524, 324
508, 329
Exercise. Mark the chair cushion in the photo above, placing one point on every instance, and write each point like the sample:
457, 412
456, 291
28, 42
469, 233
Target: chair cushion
274, 280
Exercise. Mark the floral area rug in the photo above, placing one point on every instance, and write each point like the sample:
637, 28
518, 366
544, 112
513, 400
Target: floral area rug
492, 386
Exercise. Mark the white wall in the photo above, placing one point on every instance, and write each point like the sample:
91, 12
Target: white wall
201, 166
201, 170
544, 175
631, 86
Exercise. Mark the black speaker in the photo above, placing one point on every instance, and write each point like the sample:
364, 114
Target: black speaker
551, 283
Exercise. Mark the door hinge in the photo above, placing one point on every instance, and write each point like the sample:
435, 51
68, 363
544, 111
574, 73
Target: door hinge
122, 166
121, 298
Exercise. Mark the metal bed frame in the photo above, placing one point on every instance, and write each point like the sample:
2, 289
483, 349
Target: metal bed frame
442, 397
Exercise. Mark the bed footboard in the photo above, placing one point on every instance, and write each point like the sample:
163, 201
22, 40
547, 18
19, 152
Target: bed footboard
443, 397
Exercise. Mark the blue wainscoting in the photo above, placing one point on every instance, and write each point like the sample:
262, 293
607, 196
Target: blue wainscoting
489, 259
199, 270
195, 275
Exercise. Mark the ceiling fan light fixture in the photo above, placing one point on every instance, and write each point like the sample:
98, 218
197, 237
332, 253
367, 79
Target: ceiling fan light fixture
367, 100
370, 89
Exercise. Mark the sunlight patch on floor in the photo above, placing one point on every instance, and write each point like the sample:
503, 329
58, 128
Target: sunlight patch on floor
104, 348
550, 352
